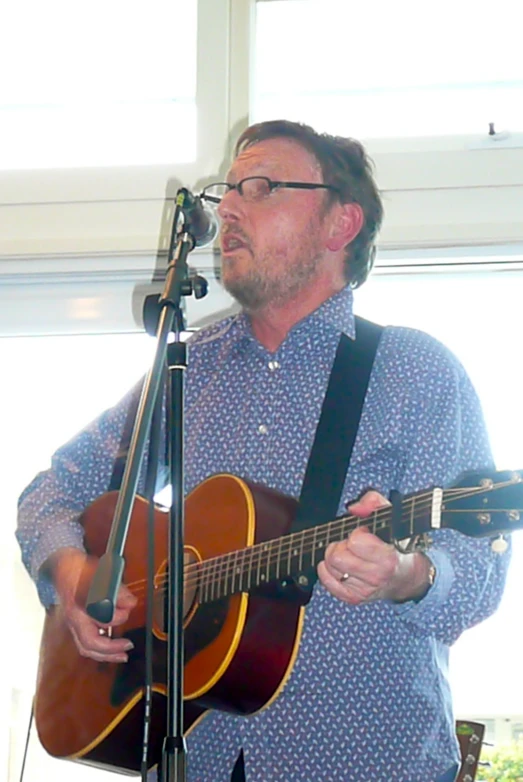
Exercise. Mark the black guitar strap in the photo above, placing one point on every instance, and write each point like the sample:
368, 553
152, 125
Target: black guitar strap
337, 428
333, 443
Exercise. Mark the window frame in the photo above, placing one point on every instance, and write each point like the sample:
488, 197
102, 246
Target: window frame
438, 192
115, 209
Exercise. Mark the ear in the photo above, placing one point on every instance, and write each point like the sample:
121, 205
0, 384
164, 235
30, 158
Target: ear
347, 221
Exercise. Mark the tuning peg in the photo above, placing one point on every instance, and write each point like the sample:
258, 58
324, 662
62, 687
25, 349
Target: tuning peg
499, 545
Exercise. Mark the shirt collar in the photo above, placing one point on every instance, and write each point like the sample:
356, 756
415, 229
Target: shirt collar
336, 312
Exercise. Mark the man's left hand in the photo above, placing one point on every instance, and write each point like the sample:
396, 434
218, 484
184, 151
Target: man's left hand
363, 568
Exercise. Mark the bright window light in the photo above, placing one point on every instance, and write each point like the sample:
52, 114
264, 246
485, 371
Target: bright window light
97, 84
382, 69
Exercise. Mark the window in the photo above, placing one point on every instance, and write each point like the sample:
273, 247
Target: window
57, 385
476, 314
120, 105
420, 83
381, 69
97, 84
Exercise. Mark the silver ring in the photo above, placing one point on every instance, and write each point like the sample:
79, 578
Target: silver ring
108, 631
344, 577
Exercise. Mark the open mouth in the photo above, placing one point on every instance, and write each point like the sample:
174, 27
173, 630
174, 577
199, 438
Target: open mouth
231, 242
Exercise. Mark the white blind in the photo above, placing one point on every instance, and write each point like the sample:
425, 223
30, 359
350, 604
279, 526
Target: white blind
420, 84
106, 108
95, 84
381, 69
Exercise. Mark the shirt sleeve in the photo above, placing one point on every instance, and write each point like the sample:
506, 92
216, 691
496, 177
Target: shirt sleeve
49, 509
448, 438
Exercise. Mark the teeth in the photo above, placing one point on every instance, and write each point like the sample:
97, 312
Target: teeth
233, 243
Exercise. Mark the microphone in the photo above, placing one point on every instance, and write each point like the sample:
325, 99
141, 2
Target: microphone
200, 220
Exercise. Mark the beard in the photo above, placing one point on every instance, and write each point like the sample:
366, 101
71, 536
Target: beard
274, 279
256, 289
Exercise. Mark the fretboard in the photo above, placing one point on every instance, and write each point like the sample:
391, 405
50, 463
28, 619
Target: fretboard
292, 554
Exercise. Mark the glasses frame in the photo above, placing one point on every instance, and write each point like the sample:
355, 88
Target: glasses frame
271, 183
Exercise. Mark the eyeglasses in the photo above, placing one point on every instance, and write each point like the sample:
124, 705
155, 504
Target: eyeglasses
256, 188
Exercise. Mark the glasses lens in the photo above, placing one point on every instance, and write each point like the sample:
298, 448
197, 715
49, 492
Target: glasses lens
215, 191
255, 188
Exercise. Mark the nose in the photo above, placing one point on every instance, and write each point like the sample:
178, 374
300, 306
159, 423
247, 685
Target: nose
231, 206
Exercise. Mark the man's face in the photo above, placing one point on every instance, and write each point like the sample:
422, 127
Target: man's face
272, 249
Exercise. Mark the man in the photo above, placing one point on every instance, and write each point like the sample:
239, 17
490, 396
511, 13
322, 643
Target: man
368, 699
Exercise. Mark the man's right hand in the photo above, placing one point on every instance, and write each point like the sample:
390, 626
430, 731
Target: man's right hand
72, 571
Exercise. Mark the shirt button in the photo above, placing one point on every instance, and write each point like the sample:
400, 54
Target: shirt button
274, 365
262, 429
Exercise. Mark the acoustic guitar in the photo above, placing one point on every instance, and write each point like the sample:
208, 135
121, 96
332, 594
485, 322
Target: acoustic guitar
247, 579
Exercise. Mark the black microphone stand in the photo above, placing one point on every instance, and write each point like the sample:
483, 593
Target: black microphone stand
102, 595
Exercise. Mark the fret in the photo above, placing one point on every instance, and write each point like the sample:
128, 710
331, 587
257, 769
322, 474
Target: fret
278, 558
314, 544
210, 580
289, 555
204, 575
411, 525
260, 577
319, 546
258, 559
234, 570
222, 575
214, 580
294, 551
240, 561
217, 578
378, 524
229, 574
243, 586
252, 551
300, 557
204, 582
229, 581
233, 560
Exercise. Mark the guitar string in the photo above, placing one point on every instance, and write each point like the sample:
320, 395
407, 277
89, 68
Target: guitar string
287, 543
286, 540
259, 558
262, 554
217, 570
203, 572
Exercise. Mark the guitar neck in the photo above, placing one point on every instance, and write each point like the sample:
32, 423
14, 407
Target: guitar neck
479, 507
288, 556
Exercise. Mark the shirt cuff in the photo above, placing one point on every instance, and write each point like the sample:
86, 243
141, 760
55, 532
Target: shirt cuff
436, 594
63, 536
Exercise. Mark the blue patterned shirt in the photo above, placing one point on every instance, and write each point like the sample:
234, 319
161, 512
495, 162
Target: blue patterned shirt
368, 699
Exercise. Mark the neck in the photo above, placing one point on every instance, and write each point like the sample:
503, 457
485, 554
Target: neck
272, 323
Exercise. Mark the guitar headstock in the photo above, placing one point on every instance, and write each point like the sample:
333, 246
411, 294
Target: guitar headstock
470, 737
485, 504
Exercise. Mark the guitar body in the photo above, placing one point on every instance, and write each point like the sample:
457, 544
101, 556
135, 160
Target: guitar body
239, 649
243, 611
